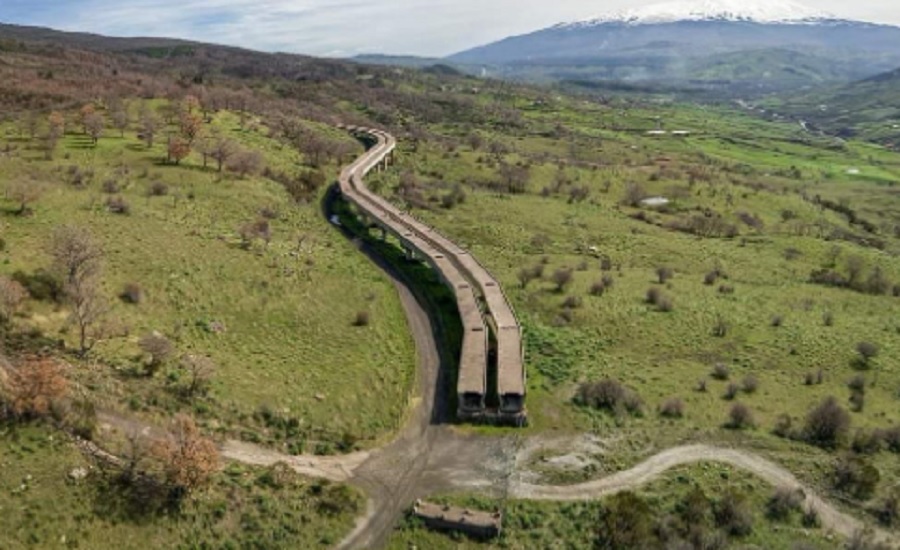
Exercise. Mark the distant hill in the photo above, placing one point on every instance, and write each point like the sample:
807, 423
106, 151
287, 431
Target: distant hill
772, 43
869, 108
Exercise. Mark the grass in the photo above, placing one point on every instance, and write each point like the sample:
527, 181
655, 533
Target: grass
288, 348
44, 507
663, 354
573, 525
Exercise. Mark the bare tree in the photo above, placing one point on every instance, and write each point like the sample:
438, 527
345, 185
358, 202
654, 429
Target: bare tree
149, 125
245, 163
200, 370
222, 150
120, 118
12, 294
77, 259
158, 347
24, 192
94, 125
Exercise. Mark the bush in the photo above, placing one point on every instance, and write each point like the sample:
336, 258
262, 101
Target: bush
734, 515
721, 327
891, 438
132, 293
750, 384
701, 385
731, 391
573, 302
784, 426
159, 348
111, 187
827, 425
720, 371
783, 503
740, 417
597, 289
857, 383
664, 274
41, 285
710, 278
857, 401
608, 281
562, 278
888, 512
867, 351
856, 477
625, 522
362, 319
867, 442
609, 395
158, 189
672, 408
118, 205
828, 319
777, 321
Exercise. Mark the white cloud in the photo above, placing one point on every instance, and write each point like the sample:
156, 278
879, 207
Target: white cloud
341, 27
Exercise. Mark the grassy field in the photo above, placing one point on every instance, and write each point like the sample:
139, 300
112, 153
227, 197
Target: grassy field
276, 319
574, 525
44, 507
778, 326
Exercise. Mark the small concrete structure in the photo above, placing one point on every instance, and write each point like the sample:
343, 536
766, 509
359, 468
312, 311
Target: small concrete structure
484, 525
655, 201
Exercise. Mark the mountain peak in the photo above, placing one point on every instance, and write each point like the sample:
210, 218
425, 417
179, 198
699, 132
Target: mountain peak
755, 11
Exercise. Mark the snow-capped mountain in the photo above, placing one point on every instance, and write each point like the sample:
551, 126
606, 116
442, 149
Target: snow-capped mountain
759, 11
700, 40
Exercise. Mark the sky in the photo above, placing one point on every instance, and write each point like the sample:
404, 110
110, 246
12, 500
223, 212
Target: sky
339, 28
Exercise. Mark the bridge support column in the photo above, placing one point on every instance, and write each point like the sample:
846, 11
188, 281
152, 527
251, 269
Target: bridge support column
410, 254
383, 234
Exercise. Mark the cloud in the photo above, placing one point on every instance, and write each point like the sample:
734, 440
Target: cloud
338, 27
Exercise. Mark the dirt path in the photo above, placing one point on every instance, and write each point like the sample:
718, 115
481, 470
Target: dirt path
645, 472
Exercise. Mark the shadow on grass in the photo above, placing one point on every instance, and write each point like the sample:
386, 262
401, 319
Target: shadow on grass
139, 500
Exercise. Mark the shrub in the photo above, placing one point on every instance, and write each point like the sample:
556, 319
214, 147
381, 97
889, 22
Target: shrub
562, 278
726, 290
118, 205
891, 438
857, 383
158, 348
721, 327
33, 388
158, 189
12, 294
731, 391
608, 281
740, 417
857, 400
111, 187
867, 351
750, 384
855, 476
606, 263
41, 285
783, 503
784, 426
597, 289
132, 293
609, 395
701, 385
665, 304
653, 296
721, 372
672, 408
888, 512
625, 521
777, 321
734, 514
664, 274
573, 302
362, 319
828, 319
867, 442
827, 425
